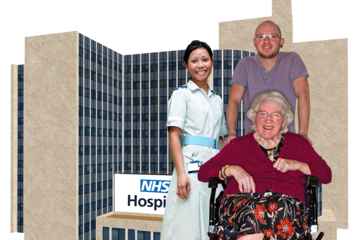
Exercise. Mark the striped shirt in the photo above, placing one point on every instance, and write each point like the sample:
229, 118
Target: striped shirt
251, 74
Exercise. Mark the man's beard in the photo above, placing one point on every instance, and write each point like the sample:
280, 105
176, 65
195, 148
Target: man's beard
274, 54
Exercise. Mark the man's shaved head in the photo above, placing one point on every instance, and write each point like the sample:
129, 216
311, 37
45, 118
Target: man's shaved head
271, 22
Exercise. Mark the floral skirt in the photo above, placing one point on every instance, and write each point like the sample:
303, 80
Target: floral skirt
275, 215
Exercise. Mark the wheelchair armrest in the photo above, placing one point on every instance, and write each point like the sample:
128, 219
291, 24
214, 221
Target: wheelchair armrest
314, 182
213, 182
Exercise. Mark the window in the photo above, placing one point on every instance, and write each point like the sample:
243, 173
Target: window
145, 117
127, 134
80, 209
154, 67
127, 101
154, 117
154, 100
99, 188
104, 202
145, 84
87, 150
154, 150
172, 83
93, 189
93, 222
93, 206
99, 96
86, 227
127, 117
144, 150
145, 101
136, 117
136, 101
136, 133
163, 100
154, 84
86, 208
99, 204
105, 232
145, 133
143, 235
154, 133
127, 150
105, 185
163, 133
163, 150
87, 188
163, 116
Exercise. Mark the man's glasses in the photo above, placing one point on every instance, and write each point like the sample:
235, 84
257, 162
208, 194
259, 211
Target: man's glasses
270, 36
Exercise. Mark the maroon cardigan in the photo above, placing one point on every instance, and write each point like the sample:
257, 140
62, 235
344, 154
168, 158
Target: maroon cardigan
246, 153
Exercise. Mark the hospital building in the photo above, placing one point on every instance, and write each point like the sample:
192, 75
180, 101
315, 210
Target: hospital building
81, 112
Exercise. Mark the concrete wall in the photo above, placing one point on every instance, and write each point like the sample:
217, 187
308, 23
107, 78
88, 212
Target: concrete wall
327, 64
51, 137
14, 109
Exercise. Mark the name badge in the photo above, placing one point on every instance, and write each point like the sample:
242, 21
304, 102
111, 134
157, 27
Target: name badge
194, 166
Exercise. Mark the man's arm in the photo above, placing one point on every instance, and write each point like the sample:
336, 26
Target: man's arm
232, 111
301, 89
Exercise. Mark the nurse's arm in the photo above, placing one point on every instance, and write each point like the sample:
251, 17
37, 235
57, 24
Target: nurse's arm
175, 149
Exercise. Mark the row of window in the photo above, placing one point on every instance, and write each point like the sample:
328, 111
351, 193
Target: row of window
117, 149
100, 78
127, 68
127, 133
113, 99
218, 64
97, 168
119, 234
85, 228
94, 187
108, 115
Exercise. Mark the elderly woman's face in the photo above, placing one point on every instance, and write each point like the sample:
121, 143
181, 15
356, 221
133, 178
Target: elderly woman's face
269, 119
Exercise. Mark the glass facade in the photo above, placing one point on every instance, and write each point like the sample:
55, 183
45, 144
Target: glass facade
128, 234
20, 152
122, 121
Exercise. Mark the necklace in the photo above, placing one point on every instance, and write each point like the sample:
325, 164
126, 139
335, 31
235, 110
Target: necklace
270, 151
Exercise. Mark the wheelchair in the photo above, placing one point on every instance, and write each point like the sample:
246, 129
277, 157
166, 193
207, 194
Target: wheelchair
311, 186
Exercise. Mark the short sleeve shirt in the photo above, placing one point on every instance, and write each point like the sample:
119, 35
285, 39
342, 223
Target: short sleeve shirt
251, 74
197, 113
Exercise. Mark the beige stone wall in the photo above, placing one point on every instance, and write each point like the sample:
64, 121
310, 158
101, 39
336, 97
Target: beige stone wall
51, 137
14, 107
327, 64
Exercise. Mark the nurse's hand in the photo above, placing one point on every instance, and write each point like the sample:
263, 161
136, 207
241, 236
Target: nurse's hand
183, 186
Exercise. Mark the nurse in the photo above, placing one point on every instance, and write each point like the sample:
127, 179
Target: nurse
196, 125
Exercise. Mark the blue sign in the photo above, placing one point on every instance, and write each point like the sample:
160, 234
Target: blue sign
154, 186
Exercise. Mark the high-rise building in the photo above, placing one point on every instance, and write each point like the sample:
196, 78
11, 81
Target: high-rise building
84, 113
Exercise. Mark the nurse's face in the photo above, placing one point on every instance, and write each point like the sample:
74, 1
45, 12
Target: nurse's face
199, 65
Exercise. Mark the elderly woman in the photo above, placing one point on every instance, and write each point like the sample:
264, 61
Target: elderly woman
265, 195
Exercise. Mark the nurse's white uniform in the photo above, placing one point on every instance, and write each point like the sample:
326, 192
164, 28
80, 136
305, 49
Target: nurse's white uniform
197, 114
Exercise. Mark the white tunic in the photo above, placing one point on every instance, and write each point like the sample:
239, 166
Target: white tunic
197, 114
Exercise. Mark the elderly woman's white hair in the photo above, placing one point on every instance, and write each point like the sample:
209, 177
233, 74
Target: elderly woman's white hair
276, 97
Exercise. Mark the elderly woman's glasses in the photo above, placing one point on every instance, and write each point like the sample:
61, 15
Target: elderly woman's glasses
273, 116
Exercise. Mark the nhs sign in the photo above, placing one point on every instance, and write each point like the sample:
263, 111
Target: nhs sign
155, 186
141, 193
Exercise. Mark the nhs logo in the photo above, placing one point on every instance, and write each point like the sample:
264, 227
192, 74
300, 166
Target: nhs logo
154, 186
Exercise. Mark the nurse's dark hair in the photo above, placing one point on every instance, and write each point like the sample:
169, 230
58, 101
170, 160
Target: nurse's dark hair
195, 45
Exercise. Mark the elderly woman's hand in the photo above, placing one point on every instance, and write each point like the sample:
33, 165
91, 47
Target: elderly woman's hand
284, 165
245, 181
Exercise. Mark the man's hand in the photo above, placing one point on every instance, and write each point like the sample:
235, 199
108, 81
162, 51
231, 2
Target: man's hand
306, 136
229, 138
